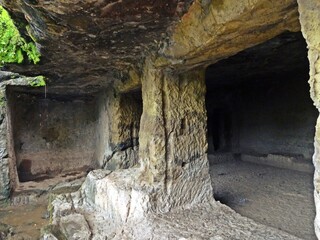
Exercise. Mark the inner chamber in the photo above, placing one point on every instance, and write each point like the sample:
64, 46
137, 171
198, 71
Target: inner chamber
260, 134
53, 134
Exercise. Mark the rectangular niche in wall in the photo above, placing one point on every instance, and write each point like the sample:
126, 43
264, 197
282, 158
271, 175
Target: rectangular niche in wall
51, 135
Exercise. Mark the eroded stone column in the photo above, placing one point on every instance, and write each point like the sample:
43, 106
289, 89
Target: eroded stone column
173, 143
310, 27
173, 171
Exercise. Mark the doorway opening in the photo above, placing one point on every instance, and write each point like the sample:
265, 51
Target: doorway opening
260, 134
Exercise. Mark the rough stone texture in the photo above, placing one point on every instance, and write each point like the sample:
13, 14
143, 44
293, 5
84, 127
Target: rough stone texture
8, 176
310, 26
115, 195
213, 30
173, 142
89, 44
107, 200
5, 231
52, 134
4, 179
49, 236
118, 129
75, 227
202, 221
174, 168
37, 124
122, 159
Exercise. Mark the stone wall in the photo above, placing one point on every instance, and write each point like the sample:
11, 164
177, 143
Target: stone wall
52, 135
118, 129
8, 176
310, 27
277, 119
174, 170
59, 134
269, 116
172, 137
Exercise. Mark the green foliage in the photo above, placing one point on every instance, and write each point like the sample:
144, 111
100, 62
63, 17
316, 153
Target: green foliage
13, 47
38, 81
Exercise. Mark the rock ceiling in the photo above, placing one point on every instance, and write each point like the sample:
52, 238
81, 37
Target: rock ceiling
87, 39
90, 43
282, 57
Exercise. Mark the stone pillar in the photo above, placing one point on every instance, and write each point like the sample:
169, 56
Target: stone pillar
173, 171
173, 142
310, 27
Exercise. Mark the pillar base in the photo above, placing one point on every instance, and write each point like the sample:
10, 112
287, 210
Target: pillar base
111, 205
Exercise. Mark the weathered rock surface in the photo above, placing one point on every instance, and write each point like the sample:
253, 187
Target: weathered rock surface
52, 134
213, 30
4, 231
172, 137
92, 43
118, 129
4, 179
74, 226
49, 236
91, 40
205, 221
8, 176
107, 202
310, 27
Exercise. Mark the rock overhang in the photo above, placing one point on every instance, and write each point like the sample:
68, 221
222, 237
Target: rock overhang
93, 44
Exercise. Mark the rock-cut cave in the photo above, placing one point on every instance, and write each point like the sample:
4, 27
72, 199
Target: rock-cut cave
175, 119
260, 133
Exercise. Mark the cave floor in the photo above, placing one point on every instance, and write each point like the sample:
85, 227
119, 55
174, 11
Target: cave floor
24, 222
279, 198
275, 197
26, 213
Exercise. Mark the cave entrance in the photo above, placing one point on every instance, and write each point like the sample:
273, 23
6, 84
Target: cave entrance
52, 136
260, 134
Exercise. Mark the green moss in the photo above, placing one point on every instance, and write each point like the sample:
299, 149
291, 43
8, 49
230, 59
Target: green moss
38, 81
14, 48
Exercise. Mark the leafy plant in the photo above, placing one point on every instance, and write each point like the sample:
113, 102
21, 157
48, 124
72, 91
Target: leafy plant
38, 81
13, 47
